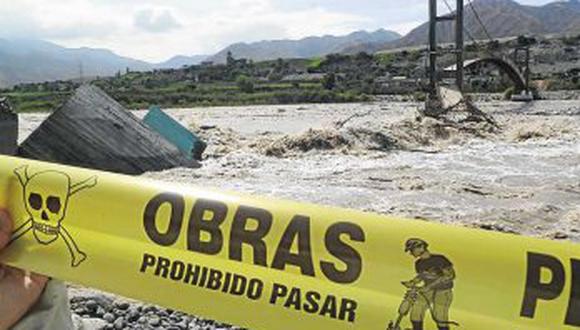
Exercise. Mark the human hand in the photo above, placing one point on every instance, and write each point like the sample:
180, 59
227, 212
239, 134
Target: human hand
408, 284
19, 289
424, 290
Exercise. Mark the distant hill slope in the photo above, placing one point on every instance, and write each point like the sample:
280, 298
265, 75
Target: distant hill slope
503, 18
180, 61
303, 48
24, 61
36, 61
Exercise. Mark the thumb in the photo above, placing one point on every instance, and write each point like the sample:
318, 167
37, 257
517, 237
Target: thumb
5, 228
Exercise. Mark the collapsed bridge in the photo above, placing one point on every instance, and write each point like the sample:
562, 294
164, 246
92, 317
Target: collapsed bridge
502, 63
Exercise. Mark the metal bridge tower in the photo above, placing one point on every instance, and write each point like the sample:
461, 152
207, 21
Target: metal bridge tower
434, 18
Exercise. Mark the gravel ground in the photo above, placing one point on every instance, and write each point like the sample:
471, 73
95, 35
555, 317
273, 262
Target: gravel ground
522, 178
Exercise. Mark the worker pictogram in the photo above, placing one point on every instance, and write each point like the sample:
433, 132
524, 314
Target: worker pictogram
430, 291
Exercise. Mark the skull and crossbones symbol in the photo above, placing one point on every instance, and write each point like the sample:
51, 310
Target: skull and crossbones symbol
46, 198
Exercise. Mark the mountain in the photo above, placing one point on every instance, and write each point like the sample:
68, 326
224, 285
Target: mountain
575, 26
24, 61
303, 48
503, 18
180, 61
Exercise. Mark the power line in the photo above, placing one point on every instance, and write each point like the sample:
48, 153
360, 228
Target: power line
469, 35
478, 18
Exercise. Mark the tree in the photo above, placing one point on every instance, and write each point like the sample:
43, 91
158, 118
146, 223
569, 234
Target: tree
329, 81
245, 84
364, 57
280, 64
230, 60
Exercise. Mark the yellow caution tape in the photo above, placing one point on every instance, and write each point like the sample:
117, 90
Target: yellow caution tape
270, 264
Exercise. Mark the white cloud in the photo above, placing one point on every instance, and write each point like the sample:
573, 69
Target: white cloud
155, 30
155, 20
64, 19
158, 29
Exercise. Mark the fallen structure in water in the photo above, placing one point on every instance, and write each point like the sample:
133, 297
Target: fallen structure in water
94, 131
451, 105
191, 146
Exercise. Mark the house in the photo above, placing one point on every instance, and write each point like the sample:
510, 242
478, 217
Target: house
303, 77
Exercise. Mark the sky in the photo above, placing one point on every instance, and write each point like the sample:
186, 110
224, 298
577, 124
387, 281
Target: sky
155, 30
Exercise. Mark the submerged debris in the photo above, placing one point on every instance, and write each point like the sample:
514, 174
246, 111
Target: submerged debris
421, 134
313, 139
351, 140
543, 129
431, 132
450, 105
220, 141
418, 134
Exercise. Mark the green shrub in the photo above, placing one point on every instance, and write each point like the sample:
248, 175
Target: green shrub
419, 96
329, 81
314, 64
245, 84
508, 93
